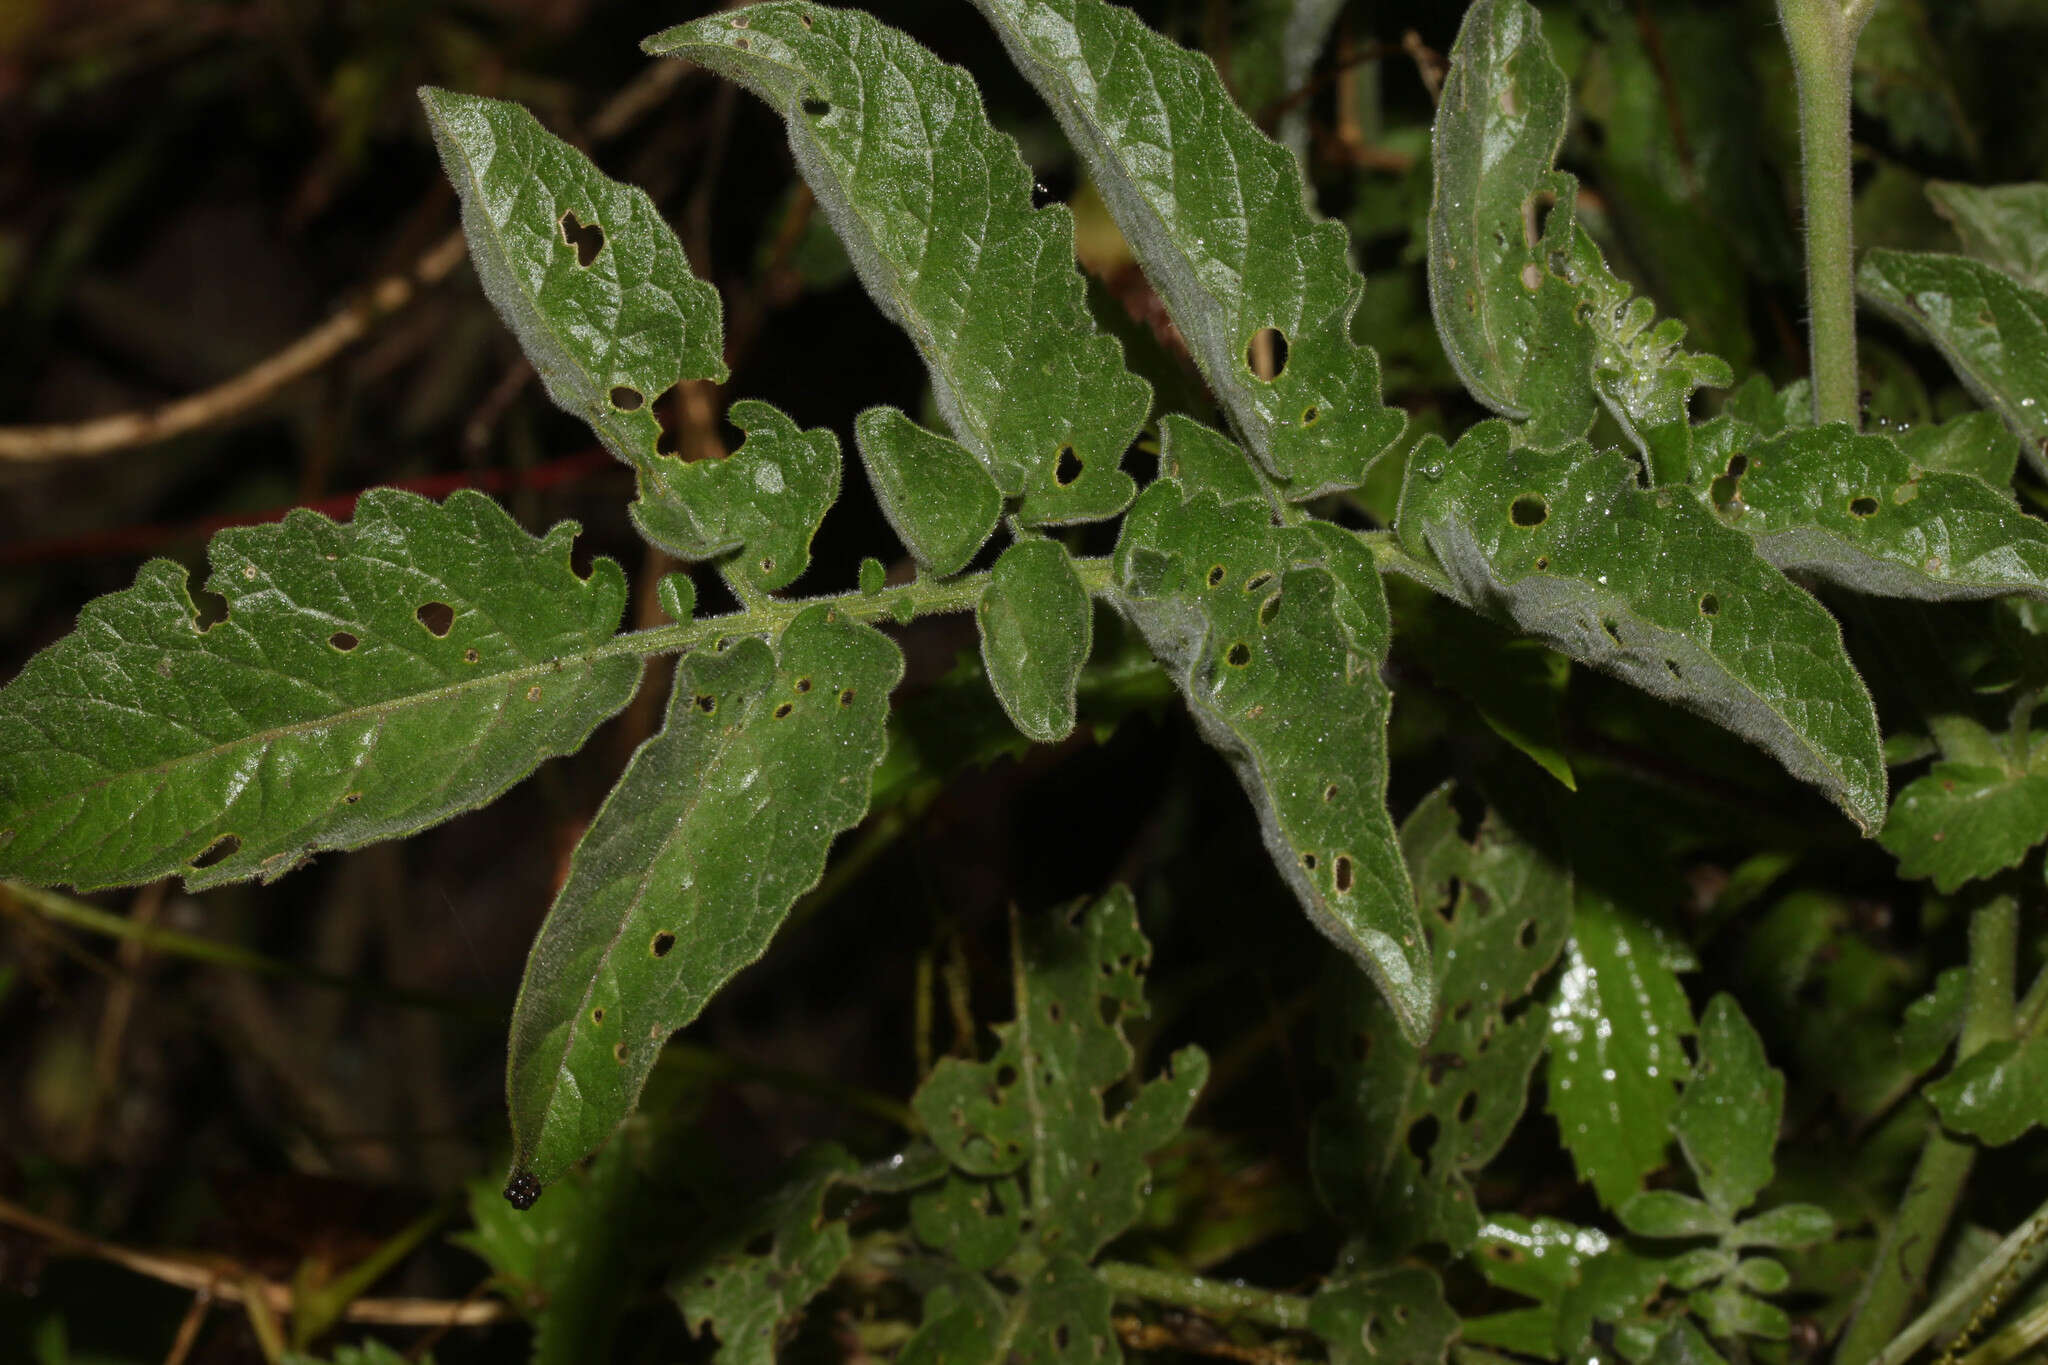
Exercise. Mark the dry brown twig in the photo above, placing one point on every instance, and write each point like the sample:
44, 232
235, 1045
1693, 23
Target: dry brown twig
249, 389
229, 1282
245, 390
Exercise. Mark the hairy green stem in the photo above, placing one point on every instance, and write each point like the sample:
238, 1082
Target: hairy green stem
1822, 36
1288, 1312
1390, 556
770, 615
1980, 1286
1906, 1254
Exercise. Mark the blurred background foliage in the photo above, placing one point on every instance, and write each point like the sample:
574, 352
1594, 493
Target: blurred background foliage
310, 1076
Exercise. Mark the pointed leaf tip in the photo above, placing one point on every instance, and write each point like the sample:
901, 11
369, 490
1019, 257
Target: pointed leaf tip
1262, 288
1647, 585
719, 823
370, 678
935, 209
582, 268
1275, 637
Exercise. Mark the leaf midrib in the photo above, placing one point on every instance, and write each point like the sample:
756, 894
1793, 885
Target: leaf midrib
377, 710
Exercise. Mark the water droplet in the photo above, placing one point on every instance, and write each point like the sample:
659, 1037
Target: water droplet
1433, 471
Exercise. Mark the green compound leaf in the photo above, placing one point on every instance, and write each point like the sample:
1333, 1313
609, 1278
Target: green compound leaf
1641, 369
1510, 325
1856, 510
1394, 1152
940, 501
1063, 1318
976, 1222
1576, 1275
2005, 226
1684, 1344
582, 268
572, 1264
1536, 325
1667, 1213
1616, 1052
719, 823
1993, 332
1216, 213
934, 206
1998, 1093
1275, 636
1976, 443
965, 1323
1204, 460
1770, 410
1647, 585
370, 679
765, 499
1975, 813
1037, 625
1060, 1315
1787, 1225
749, 1299
1727, 1120
1391, 1315
1932, 1022
1037, 1104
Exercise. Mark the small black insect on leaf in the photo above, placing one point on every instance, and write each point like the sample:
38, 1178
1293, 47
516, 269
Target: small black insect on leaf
521, 1190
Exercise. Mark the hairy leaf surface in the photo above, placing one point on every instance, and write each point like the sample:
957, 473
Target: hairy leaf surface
939, 500
1037, 623
1537, 326
1976, 443
1577, 1277
1649, 586
976, 1222
1275, 636
1976, 812
370, 679
574, 1263
1389, 1315
720, 822
1993, 332
1204, 460
1856, 510
1394, 1152
765, 499
1727, 1121
583, 270
1617, 1052
1060, 1315
1037, 1104
934, 206
749, 1297
1216, 212
2001, 225
1997, 1093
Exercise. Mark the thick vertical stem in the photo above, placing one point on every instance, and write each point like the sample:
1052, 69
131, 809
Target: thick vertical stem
1898, 1278
1823, 42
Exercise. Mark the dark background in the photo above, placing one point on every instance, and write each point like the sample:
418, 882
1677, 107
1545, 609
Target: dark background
187, 186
